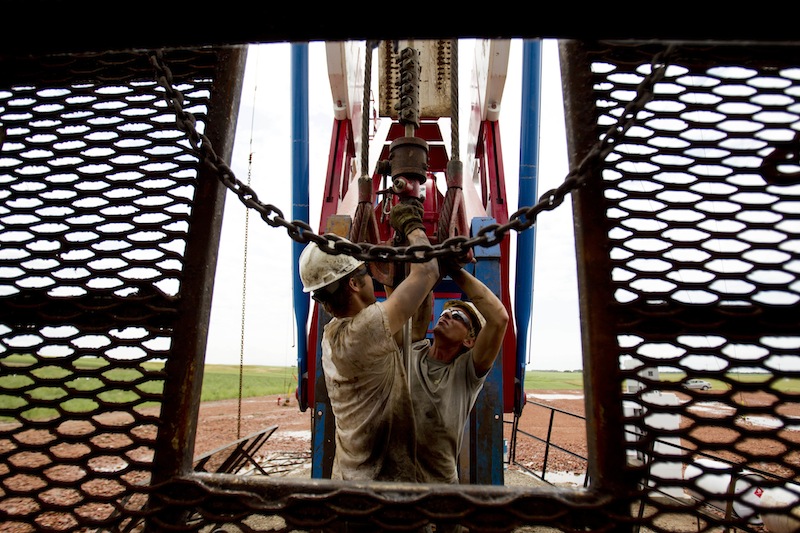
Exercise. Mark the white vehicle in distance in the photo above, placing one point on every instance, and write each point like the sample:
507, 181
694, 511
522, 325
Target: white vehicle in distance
700, 384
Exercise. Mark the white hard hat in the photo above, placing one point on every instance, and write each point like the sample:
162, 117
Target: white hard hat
318, 268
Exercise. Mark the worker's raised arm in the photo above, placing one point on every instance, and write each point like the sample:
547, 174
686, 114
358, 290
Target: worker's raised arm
490, 339
405, 299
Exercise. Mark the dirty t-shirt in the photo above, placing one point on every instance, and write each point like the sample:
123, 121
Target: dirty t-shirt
443, 395
368, 390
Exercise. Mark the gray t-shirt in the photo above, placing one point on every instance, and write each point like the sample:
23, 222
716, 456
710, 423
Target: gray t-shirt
443, 395
367, 386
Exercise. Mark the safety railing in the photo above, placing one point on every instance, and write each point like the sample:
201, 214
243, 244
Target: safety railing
546, 441
731, 478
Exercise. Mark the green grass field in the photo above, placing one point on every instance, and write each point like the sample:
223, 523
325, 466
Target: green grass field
220, 382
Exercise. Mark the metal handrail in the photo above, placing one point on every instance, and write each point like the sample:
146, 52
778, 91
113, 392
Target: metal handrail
546, 441
548, 445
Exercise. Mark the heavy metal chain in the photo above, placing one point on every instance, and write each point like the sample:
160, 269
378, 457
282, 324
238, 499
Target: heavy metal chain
456, 246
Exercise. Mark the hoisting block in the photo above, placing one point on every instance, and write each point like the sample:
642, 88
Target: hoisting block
408, 158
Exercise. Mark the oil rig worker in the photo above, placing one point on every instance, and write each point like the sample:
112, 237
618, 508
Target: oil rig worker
448, 373
363, 366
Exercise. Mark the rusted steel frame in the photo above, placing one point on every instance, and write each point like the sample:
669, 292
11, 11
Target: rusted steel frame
745, 324
598, 309
174, 447
310, 504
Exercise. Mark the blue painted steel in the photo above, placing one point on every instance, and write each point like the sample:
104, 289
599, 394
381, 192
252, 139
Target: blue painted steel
300, 202
486, 423
528, 176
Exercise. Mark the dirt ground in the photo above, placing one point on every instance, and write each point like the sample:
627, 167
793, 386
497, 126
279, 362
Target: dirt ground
220, 424
289, 447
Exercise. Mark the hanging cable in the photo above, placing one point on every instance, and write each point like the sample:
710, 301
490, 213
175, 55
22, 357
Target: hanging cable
453, 218
370, 45
364, 227
244, 262
454, 122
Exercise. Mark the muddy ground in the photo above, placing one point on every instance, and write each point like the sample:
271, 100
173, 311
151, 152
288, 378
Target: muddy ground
221, 422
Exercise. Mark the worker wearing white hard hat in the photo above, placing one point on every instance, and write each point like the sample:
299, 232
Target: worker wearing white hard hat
363, 366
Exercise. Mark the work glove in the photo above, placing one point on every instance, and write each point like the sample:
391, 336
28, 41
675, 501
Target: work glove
449, 265
406, 216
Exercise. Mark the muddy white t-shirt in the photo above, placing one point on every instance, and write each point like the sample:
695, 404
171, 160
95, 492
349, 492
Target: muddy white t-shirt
443, 395
366, 381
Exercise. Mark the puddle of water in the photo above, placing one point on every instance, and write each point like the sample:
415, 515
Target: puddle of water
555, 396
565, 479
763, 421
302, 434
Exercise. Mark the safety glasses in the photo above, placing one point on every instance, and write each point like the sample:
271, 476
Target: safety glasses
459, 315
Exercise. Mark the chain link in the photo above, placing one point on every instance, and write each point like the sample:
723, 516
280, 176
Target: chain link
456, 246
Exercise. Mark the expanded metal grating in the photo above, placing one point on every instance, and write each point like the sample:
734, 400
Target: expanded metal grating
97, 209
687, 240
689, 248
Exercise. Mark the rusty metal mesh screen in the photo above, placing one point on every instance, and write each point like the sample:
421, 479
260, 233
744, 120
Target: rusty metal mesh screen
694, 223
96, 203
697, 255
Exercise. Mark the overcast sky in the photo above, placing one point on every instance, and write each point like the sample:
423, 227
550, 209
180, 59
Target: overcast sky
267, 334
